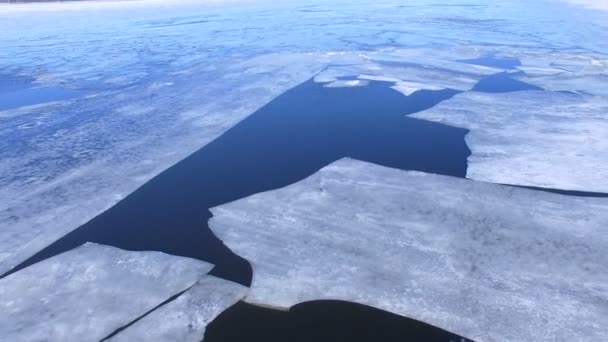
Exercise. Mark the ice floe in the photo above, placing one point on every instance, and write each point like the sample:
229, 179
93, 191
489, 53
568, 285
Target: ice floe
186, 318
485, 261
535, 138
87, 293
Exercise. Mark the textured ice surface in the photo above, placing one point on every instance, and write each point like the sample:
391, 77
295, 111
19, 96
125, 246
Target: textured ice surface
485, 261
537, 138
156, 83
186, 318
87, 293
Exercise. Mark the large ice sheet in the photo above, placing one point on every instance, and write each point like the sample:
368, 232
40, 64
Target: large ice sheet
186, 318
87, 293
536, 138
488, 262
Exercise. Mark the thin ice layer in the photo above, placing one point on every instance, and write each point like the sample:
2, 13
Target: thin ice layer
489, 262
536, 138
87, 293
186, 318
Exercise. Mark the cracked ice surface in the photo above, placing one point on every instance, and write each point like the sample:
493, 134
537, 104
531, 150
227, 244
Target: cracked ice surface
186, 318
87, 293
536, 138
158, 82
485, 261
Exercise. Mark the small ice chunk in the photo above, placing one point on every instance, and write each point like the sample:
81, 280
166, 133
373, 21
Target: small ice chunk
408, 88
347, 83
534, 138
87, 293
186, 318
335, 72
485, 261
379, 78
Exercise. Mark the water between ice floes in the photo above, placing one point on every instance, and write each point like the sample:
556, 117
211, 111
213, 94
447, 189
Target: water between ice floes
296, 134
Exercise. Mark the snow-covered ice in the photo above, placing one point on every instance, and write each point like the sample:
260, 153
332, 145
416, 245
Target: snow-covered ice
87, 293
536, 138
186, 318
485, 261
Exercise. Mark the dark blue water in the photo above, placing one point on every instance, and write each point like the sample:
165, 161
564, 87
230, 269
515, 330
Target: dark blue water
16, 91
494, 62
298, 133
331, 321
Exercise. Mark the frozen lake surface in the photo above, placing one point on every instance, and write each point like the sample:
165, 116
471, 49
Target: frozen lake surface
123, 123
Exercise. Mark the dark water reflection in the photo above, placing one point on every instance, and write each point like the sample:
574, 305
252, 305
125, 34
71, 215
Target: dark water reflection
321, 321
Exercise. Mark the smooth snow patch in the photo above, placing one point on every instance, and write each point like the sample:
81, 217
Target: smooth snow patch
536, 138
489, 262
87, 293
186, 318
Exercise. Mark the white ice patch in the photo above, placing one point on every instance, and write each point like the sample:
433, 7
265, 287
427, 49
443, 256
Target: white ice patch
87, 293
408, 88
379, 78
186, 318
488, 262
536, 138
347, 84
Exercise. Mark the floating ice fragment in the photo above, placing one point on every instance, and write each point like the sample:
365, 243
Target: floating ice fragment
87, 293
186, 318
379, 78
347, 83
408, 88
535, 138
485, 261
